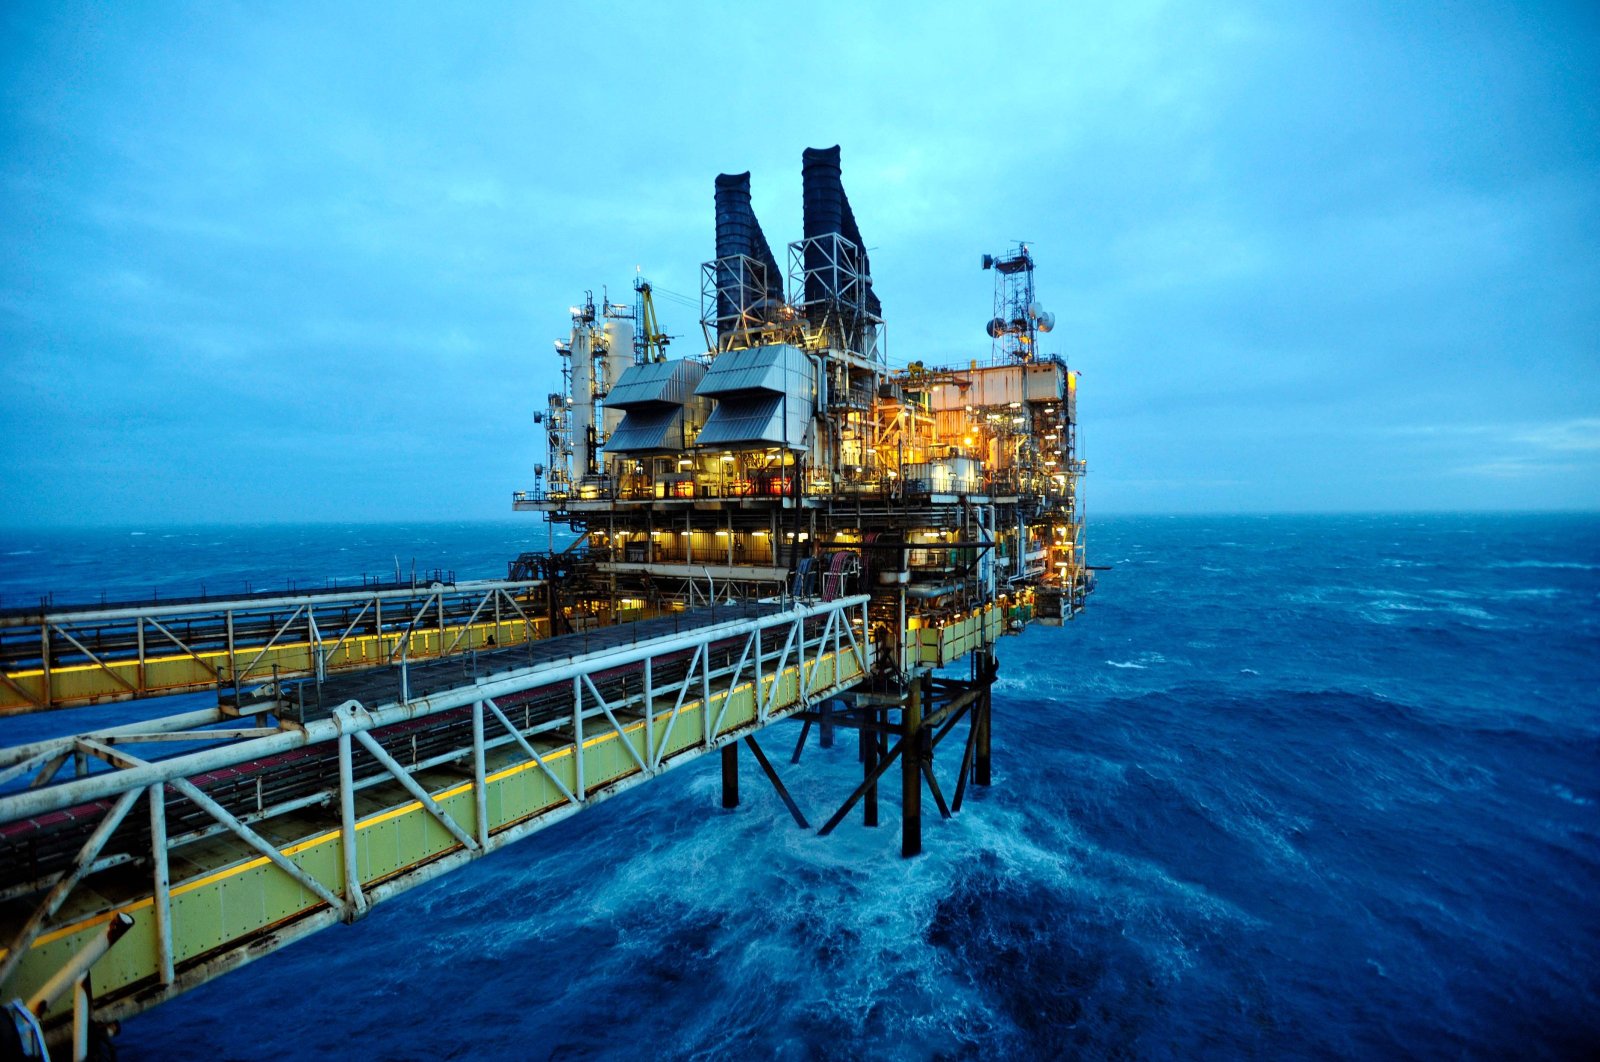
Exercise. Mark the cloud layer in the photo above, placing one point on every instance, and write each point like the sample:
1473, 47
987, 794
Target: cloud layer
308, 264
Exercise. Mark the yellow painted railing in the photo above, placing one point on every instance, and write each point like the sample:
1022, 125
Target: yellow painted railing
181, 672
231, 895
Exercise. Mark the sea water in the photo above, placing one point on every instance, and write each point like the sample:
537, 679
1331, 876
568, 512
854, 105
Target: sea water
1292, 787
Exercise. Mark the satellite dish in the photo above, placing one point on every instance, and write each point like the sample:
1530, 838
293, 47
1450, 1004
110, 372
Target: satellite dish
997, 328
1047, 321
1035, 311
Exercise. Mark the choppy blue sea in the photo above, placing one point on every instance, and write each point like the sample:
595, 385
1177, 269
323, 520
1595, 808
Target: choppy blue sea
1293, 787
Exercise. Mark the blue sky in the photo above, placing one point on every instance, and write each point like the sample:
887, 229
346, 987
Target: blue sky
306, 261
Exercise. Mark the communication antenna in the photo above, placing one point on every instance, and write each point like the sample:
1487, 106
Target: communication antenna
1018, 317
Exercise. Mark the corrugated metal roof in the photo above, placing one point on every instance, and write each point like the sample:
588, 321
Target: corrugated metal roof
647, 430
656, 383
769, 368
742, 421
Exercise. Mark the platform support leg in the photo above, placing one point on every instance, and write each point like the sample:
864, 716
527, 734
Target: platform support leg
980, 767
911, 772
730, 775
869, 767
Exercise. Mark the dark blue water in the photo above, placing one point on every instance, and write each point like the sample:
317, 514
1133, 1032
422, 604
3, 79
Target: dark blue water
1293, 787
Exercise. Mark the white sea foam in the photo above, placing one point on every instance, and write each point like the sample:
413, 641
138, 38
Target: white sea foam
1579, 566
1126, 664
1391, 604
1020, 681
847, 890
1570, 797
20, 553
1470, 612
1382, 610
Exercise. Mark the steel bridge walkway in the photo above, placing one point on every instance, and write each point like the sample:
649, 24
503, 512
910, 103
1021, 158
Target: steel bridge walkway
241, 838
56, 656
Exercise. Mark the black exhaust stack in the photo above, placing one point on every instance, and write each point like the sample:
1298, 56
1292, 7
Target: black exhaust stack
739, 233
827, 211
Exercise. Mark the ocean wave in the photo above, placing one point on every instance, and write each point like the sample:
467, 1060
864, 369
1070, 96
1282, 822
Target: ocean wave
1570, 797
1579, 566
1382, 611
1198, 864
1396, 605
1014, 681
1469, 611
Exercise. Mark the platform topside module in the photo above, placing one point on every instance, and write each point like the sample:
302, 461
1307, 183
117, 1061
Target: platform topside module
788, 457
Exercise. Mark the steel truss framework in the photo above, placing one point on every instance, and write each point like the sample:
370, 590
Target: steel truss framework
832, 292
929, 710
735, 308
370, 810
55, 658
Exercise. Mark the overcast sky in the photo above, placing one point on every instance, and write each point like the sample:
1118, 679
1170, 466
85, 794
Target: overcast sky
307, 262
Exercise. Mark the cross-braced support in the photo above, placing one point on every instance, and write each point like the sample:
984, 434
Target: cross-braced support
730, 775
930, 709
911, 762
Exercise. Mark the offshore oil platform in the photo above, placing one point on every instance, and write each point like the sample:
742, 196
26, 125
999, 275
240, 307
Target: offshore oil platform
779, 526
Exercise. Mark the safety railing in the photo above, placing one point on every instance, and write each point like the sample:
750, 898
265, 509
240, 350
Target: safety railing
419, 784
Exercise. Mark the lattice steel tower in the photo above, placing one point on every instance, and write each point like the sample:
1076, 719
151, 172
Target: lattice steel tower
1018, 318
